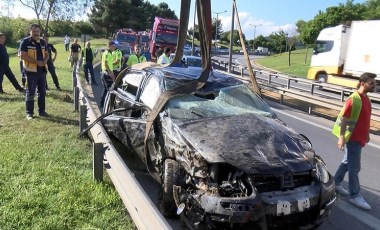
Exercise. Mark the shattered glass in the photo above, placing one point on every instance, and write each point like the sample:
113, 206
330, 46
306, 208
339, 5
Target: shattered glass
235, 100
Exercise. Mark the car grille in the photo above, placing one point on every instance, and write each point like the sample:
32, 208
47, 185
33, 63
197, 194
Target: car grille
268, 183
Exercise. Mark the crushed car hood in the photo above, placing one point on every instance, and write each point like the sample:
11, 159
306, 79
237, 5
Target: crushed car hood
252, 143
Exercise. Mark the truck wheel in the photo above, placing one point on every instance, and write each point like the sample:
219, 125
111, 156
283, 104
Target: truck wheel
170, 173
321, 78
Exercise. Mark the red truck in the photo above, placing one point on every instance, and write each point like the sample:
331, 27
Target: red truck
126, 37
164, 34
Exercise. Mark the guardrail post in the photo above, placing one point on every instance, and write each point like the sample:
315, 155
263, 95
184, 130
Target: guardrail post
312, 89
74, 79
281, 98
269, 78
98, 161
241, 72
310, 108
288, 83
82, 117
76, 99
342, 96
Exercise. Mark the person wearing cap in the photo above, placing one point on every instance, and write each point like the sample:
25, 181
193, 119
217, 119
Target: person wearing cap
117, 59
50, 63
5, 69
88, 58
164, 58
108, 77
136, 57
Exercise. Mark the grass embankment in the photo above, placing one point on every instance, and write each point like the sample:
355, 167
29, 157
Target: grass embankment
280, 62
45, 169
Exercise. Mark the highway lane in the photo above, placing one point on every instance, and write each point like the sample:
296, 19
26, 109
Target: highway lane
238, 59
318, 131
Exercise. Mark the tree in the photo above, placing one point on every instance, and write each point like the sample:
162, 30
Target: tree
56, 8
218, 26
291, 39
108, 15
196, 31
226, 36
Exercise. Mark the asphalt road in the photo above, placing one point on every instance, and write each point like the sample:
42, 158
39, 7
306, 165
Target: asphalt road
344, 215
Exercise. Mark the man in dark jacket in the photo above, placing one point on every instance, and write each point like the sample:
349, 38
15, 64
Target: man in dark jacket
4, 67
88, 58
50, 63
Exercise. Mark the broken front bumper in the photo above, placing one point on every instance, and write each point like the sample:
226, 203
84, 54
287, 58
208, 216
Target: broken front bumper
303, 206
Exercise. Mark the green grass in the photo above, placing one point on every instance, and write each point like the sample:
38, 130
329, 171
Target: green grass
280, 63
45, 169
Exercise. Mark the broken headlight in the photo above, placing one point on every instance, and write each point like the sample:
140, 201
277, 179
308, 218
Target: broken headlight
321, 170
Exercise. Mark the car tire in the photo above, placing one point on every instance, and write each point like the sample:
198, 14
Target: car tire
169, 176
321, 78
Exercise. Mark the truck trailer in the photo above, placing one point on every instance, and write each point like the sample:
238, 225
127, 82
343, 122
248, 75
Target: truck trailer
342, 53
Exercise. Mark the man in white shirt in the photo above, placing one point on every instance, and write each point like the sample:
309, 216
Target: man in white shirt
67, 42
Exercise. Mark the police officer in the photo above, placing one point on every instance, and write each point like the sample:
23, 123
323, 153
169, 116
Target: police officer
35, 56
50, 64
136, 57
4, 67
88, 57
108, 77
117, 59
164, 58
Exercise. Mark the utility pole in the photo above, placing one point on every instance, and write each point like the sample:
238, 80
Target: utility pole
231, 37
192, 41
254, 35
216, 25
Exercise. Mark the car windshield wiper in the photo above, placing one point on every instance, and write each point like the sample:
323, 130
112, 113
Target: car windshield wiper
196, 113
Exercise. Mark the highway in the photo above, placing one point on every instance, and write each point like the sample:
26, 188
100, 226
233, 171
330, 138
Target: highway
344, 215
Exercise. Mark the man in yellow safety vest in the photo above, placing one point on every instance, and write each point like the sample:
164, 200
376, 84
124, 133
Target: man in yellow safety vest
352, 129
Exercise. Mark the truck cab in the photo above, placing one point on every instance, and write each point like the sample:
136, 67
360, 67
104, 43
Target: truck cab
329, 53
164, 34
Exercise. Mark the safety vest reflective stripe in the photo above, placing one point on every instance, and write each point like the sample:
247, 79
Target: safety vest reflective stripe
107, 57
352, 120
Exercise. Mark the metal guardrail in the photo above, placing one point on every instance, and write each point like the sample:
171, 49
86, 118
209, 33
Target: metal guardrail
140, 207
308, 94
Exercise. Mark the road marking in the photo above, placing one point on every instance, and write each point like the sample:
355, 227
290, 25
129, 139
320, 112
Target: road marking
316, 125
363, 216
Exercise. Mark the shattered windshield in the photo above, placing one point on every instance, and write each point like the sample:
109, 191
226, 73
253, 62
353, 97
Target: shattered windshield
235, 100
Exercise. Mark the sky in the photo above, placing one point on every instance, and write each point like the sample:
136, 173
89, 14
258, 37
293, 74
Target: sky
257, 17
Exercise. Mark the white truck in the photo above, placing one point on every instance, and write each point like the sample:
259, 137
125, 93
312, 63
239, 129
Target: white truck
342, 53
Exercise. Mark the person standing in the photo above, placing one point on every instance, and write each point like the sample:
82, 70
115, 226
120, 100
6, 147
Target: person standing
88, 58
108, 77
4, 67
136, 57
66, 41
35, 57
75, 49
352, 129
22, 71
164, 58
50, 64
117, 59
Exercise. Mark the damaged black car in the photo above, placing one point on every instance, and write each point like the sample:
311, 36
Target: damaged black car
223, 157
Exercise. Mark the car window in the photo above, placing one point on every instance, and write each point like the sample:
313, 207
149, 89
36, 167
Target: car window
131, 82
234, 100
151, 92
196, 62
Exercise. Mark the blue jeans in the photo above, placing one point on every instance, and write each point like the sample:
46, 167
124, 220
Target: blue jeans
88, 67
350, 163
35, 81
